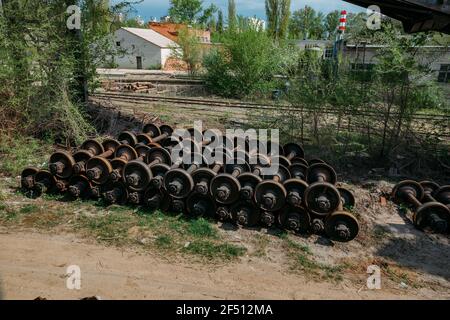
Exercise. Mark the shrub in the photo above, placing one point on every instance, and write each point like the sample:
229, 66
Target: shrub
244, 64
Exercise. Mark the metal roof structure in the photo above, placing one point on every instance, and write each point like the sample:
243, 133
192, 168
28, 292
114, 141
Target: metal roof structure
153, 37
416, 15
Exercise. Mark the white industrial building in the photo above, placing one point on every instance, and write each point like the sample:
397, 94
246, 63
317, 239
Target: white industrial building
142, 48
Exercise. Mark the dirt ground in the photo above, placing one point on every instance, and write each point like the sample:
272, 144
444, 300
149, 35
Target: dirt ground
414, 265
33, 265
40, 238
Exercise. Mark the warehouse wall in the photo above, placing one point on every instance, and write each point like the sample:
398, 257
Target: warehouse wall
137, 47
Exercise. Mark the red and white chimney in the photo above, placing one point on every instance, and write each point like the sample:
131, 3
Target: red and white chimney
343, 21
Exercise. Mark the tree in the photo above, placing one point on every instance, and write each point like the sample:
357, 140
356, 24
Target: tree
306, 23
185, 11
45, 66
285, 15
332, 23
278, 15
207, 17
232, 15
188, 50
219, 27
244, 64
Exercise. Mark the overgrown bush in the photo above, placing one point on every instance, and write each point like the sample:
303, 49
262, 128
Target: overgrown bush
45, 68
340, 112
243, 64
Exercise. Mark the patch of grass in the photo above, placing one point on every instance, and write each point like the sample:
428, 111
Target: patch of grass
302, 259
20, 152
210, 250
8, 214
399, 276
201, 228
261, 242
112, 227
29, 208
164, 242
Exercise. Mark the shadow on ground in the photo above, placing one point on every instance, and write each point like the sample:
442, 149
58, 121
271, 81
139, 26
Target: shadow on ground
415, 249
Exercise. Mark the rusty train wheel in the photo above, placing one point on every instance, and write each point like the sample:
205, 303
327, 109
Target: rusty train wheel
399, 191
341, 226
434, 216
61, 164
322, 198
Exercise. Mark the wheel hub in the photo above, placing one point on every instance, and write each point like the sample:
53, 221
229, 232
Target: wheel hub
178, 205
157, 182
323, 203
202, 188
243, 217
79, 167
437, 224
133, 179
294, 199
134, 198
154, 202
293, 223
175, 187
268, 219
116, 175
27, 182
343, 231
112, 196
75, 191
223, 214
94, 173
269, 200
247, 193
317, 226
57, 167
96, 192
199, 209
223, 193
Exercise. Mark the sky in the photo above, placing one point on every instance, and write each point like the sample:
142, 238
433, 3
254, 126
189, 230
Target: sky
158, 8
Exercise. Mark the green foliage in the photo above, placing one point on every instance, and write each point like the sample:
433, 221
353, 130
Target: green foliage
191, 12
211, 250
278, 15
220, 26
244, 64
44, 66
188, 50
391, 92
232, 16
202, 228
306, 23
18, 152
185, 11
331, 23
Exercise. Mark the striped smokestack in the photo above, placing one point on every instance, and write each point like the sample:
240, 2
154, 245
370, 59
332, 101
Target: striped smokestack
343, 21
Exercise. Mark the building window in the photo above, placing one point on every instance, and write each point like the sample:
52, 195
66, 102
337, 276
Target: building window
118, 43
444, 73
328, 53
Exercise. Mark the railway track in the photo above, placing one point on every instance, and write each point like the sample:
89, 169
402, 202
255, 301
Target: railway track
215, 108
258, 106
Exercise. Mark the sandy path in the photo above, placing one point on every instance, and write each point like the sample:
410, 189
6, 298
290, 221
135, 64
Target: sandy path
33, 265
